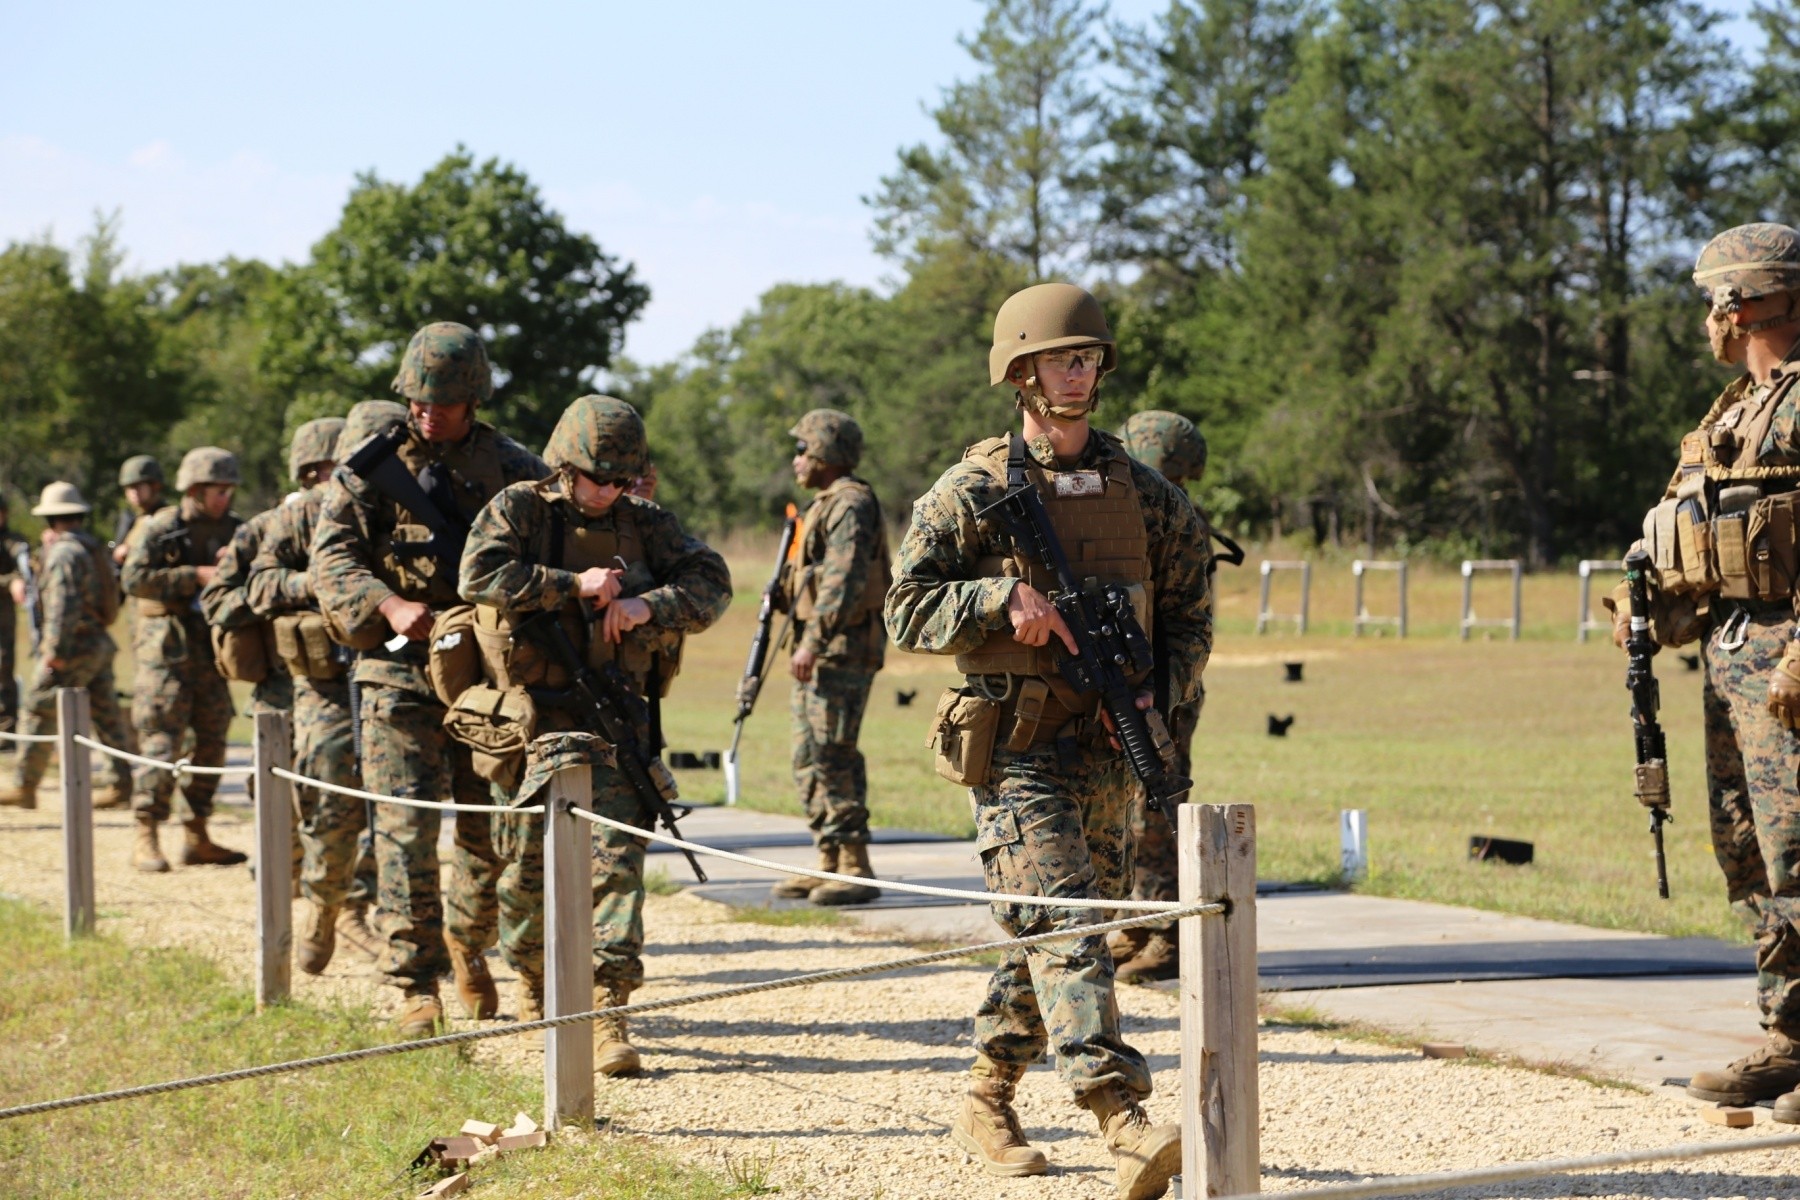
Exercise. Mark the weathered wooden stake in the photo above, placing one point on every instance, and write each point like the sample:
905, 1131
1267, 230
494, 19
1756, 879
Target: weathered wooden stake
1220, 1105
568, 950
274, 859
72, 719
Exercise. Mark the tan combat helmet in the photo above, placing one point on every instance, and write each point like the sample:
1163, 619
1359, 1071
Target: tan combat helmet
445, 363
1049, 316
368, 418
1747, 262
140, 468
832, 437
314, 442
61, 499
600, 436
1167, 443
207, 464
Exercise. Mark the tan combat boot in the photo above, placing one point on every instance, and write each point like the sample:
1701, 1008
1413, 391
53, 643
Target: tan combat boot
474, 986
853, 859
530, 1002
1761, 1075
1147, 1156
1125, 944
353, 927
420, 1016
1787, 1109
1159, 959
613, 1052
199, 850
318, 938
112, 795
799, 887
988, 1128
14, 796
146, 855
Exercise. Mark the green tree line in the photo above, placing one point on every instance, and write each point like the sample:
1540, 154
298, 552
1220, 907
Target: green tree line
1418, 271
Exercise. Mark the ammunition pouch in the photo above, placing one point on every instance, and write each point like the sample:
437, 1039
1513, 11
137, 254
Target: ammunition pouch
453, 660
304, 644
497, 725
244, 652
1731, 540
366, 636
962, 734
508, 662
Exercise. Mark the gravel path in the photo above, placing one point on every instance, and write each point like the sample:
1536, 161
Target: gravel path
847, 1090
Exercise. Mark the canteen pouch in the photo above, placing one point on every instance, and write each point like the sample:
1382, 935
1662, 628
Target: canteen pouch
497, 726
304, 644
453, 660
1772, 558
962, 734
243, 652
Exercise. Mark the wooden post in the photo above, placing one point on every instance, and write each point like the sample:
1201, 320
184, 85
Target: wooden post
1305, 594
274, 859
72, 719
568, 950
1262, 602
1402, 570
1518, 616
1220, 1105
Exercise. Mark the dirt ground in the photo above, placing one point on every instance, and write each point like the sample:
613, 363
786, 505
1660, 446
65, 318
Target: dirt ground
847, 1090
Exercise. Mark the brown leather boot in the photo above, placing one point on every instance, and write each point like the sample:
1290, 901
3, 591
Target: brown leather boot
799, 887
353, 927
853, 859
530, 1002
318, 938
1125, 944
1159, 959
474, 986
14, 796
420, 1016
146, 855
1763, 1074
988, 1128
1147, 1156
112, 795
1787, 1109
199, 850
613, 1052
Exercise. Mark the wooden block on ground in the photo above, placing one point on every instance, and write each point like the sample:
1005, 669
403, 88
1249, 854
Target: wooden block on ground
481, 1130
1731, 1118
1444, 1050
523, 1141
445, 1187
453, 1150
522, 1123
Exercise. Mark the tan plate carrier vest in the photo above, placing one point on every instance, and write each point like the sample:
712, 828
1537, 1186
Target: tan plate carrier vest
205, 538
1099, 520
1732, 527
475, 478
812, 548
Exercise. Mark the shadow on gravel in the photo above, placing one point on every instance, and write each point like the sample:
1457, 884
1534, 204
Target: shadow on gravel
764, 974
759, 945
1648, 1185
932, 1032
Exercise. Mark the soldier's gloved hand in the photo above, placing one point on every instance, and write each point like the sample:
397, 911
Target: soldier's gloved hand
1784, 688
1618, 604
1144, 702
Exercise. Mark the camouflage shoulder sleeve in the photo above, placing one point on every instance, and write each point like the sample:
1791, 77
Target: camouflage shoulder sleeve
226, 600
341, 564
62, 593
278, 579
693, 584
153, 581
852, 535
503, 560
1178, 557
939, 603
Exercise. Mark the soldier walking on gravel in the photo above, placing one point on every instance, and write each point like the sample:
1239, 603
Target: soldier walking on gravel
178, 687
337, 881
834, 589
79, 597
381, 577
1051, 793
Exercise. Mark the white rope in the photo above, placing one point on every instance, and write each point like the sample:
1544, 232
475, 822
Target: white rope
440, 805
26, 737
1412, 1185
181, 767
920, 889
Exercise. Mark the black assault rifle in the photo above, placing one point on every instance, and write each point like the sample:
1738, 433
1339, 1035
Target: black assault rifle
751, 685
430, 502
1110, 645
34, 602
1652, 776
604, 702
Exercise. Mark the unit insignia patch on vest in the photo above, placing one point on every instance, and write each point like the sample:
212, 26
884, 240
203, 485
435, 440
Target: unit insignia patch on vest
1079, 483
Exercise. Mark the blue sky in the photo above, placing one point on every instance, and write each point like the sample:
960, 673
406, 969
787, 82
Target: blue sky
721, 147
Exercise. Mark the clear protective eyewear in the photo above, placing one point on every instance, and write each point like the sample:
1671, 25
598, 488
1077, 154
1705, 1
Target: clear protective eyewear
1084, 358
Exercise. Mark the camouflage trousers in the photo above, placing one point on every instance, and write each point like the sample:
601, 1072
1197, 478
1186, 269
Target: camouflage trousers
1158, 875
94, 672
828, 768
406, 752
618, 888
335, 867
1753, 801
1054, 822
177, 689
9, 663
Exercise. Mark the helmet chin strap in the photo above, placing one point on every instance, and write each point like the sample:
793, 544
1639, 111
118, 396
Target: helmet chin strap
1031, 399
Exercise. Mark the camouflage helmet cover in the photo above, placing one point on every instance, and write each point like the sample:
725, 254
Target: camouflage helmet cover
1049, 316
206, 464
601, 437
445, 363
314, 442
1749, 261
832, 437
368, 418
1166, 442
140, 468
60, 499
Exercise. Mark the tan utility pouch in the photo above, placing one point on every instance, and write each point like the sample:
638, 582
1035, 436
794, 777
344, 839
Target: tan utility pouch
367, 636
509, 664
1663, 546
302, 642
453, 661
1772, 555
243, 653
1731, 541
963, 733
1028, 714
497, 726
1696, 536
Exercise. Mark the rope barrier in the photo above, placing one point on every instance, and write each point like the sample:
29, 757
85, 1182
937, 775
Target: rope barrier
179, 767
1412, 1185
472, 1035
377, 797
26, 737
1150, 906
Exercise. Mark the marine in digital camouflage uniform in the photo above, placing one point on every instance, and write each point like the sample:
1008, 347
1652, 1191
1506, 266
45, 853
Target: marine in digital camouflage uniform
1052, 802
12, 544
835, 588
141, 479
1168, 444
225, 603
374, 573
337, 876
555, 546
178, 688
79, 597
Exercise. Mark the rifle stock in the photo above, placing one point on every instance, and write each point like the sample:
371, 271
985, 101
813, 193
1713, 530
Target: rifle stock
374, 463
